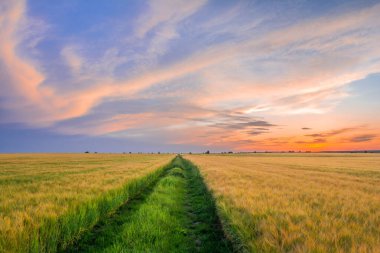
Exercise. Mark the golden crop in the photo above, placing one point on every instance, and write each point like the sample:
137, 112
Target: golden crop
298, 202
38, 188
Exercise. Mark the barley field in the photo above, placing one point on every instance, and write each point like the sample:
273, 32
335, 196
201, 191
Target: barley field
176, 214
297, 202
195, 203
48, 199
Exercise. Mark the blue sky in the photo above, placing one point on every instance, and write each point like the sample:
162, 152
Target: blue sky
115, 76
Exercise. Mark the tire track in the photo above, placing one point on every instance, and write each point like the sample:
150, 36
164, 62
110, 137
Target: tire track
175, 214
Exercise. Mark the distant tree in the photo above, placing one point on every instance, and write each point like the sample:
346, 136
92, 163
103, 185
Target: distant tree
230, 152
130, 152
95, 152
87, 152
190, 153
207, 152
158, 152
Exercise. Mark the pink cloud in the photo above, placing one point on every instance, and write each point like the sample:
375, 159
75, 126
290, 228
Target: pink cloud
227, 71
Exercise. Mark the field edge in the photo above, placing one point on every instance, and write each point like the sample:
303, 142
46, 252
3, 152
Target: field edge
229, 231
198, 217
56, 234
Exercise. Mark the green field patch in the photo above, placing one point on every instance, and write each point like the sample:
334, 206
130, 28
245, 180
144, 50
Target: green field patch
47, 201
175, 215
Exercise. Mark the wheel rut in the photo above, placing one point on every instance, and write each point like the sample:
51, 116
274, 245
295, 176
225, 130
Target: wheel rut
175, 214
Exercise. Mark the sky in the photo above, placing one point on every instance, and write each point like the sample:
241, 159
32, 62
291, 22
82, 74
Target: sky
180, 76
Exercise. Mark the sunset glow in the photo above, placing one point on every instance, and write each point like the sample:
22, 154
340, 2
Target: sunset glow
180, 76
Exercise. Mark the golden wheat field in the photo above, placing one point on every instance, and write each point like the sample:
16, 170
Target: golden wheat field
43, 194
297, 202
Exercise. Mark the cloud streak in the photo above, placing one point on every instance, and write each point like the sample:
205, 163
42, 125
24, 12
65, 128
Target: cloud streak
363, 138
239, 76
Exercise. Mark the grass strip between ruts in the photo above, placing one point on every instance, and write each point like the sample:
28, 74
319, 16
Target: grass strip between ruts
57, 234
175, 215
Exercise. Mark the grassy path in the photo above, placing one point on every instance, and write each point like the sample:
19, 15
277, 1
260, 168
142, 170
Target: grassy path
177, 214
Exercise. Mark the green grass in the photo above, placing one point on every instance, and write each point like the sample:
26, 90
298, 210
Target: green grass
206, 231
132, 203
175, 215
48, 201
55, 234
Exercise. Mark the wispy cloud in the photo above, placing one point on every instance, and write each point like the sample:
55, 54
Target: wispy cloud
363, 138
163, 13
333, 132
73, 59
234, 72
314, 141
